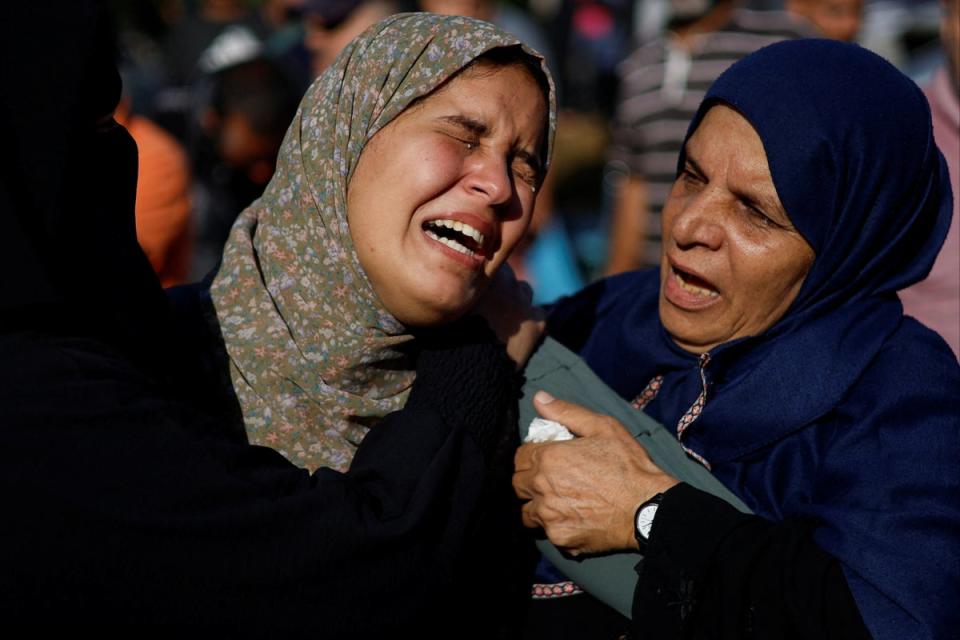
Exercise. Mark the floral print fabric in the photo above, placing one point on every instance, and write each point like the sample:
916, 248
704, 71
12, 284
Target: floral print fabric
315, 359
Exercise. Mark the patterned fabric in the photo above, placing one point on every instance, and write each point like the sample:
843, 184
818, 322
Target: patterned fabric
653, 387
649, 393
555, 590
694, 412
315, 359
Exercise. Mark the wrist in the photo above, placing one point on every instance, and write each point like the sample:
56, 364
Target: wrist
644, 514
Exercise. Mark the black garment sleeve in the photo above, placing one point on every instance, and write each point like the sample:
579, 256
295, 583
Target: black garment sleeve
711, 571
119, 512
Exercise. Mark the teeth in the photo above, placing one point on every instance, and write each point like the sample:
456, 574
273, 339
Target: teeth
459, 227
699, 291
453, 244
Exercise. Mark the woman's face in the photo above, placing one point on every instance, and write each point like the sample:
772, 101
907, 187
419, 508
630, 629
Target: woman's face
732, 262
442, 194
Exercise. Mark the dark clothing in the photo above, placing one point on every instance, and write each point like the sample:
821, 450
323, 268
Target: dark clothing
119, 511
125, 504
711, 571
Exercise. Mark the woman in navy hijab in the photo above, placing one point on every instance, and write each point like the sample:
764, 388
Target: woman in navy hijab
772, 343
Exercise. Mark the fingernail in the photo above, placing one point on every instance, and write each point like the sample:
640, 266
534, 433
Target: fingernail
542, 397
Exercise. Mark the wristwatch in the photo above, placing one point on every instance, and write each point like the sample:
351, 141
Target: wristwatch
643, 519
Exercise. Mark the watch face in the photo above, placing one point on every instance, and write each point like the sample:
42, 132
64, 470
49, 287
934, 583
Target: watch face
645, 519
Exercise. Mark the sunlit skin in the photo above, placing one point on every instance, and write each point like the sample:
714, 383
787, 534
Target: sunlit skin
732, 262
470, 152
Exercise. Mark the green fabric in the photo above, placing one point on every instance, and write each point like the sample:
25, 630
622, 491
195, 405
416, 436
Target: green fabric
560, 372
315, 359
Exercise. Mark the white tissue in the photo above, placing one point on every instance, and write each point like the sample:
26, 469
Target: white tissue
546, 431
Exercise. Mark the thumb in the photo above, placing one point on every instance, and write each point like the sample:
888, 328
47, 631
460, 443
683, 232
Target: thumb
579, 420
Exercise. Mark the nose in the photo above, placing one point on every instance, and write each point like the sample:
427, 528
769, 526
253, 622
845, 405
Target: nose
488, 175
695, 221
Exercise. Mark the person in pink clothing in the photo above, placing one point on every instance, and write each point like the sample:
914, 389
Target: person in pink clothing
936, 300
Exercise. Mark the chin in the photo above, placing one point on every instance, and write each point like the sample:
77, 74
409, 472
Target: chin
686, 334
437, 311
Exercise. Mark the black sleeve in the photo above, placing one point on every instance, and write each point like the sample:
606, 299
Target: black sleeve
711, 571
117, 512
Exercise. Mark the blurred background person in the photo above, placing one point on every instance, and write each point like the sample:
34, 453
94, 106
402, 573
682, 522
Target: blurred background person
508, 17
936, 300
331, 24
240, 128
163, 208
834, 19
189, 41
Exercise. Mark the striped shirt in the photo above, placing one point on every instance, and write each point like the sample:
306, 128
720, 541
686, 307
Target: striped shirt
661, 86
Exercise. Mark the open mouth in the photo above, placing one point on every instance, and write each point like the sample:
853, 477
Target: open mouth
695, 285
459, 236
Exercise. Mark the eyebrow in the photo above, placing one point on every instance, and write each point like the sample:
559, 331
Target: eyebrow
470, 124
481, 129
771, 203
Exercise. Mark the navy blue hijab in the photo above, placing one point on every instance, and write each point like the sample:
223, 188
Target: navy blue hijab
844, 407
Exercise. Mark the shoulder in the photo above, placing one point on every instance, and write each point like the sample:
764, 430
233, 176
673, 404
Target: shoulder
887, 474
916, 361
904, 407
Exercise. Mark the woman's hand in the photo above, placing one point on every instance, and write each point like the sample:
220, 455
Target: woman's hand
508, 309
584, 492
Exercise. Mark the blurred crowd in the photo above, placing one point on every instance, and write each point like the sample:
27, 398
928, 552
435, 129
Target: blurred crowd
211, 86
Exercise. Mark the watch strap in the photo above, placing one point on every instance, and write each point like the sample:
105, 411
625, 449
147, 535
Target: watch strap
642, 539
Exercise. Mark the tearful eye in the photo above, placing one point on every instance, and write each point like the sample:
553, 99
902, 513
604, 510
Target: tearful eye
527, 175
468, 144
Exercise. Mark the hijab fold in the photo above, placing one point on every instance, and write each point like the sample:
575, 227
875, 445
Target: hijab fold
315, 358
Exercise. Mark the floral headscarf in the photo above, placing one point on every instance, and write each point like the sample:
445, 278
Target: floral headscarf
315, 358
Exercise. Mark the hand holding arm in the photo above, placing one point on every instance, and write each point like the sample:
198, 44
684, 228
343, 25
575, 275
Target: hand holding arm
584, 492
